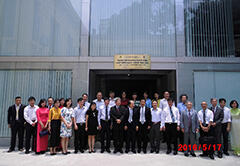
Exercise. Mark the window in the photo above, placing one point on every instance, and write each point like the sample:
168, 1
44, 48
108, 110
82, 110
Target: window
132, 27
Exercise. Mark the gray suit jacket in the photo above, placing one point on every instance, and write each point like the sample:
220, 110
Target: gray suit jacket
184, 121
218, 115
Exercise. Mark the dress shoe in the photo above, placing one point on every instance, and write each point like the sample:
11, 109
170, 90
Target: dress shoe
203, 155
134, 151
193, 154
220, 155
144, 151
139, 151
10, 150
168, 151
75, 151
226, 153
20, 150
126, 151
152, 151
27, 152
115, 151
175, 152
102, 151
108, 150
81, 150
211, 156
121, 151
186, 154
157, 151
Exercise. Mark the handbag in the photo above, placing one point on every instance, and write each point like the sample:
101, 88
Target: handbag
43, 133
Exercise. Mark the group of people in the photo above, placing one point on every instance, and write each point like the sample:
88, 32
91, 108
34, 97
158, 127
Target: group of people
133, 122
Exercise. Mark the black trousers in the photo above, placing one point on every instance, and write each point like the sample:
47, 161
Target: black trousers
142, 136
217, 130
55, 133
79, 139
155, 136
131, 136
17, 128
171, 135
209, 143
31, 133
105, 134
180, 138
225, 137
118, 136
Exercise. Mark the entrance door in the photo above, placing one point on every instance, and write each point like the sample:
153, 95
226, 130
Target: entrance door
131, 81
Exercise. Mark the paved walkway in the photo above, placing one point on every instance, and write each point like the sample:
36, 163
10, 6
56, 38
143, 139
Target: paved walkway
98, 159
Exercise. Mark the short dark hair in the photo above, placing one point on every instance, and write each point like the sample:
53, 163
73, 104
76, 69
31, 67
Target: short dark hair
234, 101
42, 101
51, 98
170, 99
79, 99
222, 99
67, 100
154, 100
56, 100
111, 91
182, 96
106, 98
61, 99
134, 93
143, 99
31, 98
17, 97
84, 94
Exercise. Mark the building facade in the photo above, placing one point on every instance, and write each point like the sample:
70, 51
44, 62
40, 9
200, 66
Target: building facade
63, 48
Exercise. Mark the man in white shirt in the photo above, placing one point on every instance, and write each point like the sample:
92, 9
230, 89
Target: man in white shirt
79, 115
104, 123
112, 99
205, 117
226, 125
31, 126
99, 101
85, 100
156, 127
171, 125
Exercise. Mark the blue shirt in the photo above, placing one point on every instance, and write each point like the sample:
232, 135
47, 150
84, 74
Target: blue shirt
148, 103
181, 107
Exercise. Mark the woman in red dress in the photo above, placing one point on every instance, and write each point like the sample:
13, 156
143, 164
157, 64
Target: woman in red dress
42, 118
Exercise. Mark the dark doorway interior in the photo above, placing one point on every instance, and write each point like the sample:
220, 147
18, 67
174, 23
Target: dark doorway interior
131, 81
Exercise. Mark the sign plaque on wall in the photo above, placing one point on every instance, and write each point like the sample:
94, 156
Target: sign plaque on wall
132, 62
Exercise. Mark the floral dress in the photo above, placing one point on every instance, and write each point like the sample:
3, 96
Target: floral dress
67, 114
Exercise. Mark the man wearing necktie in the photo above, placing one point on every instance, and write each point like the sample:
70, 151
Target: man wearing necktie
130, 126
16, 123
171, 118
143, 125
216, 125
205, 117
117, 115
104, 125
189, 126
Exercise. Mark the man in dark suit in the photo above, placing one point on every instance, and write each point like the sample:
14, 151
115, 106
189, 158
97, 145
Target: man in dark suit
16, 123
216, 125
130, 126
143, 125
117, 115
